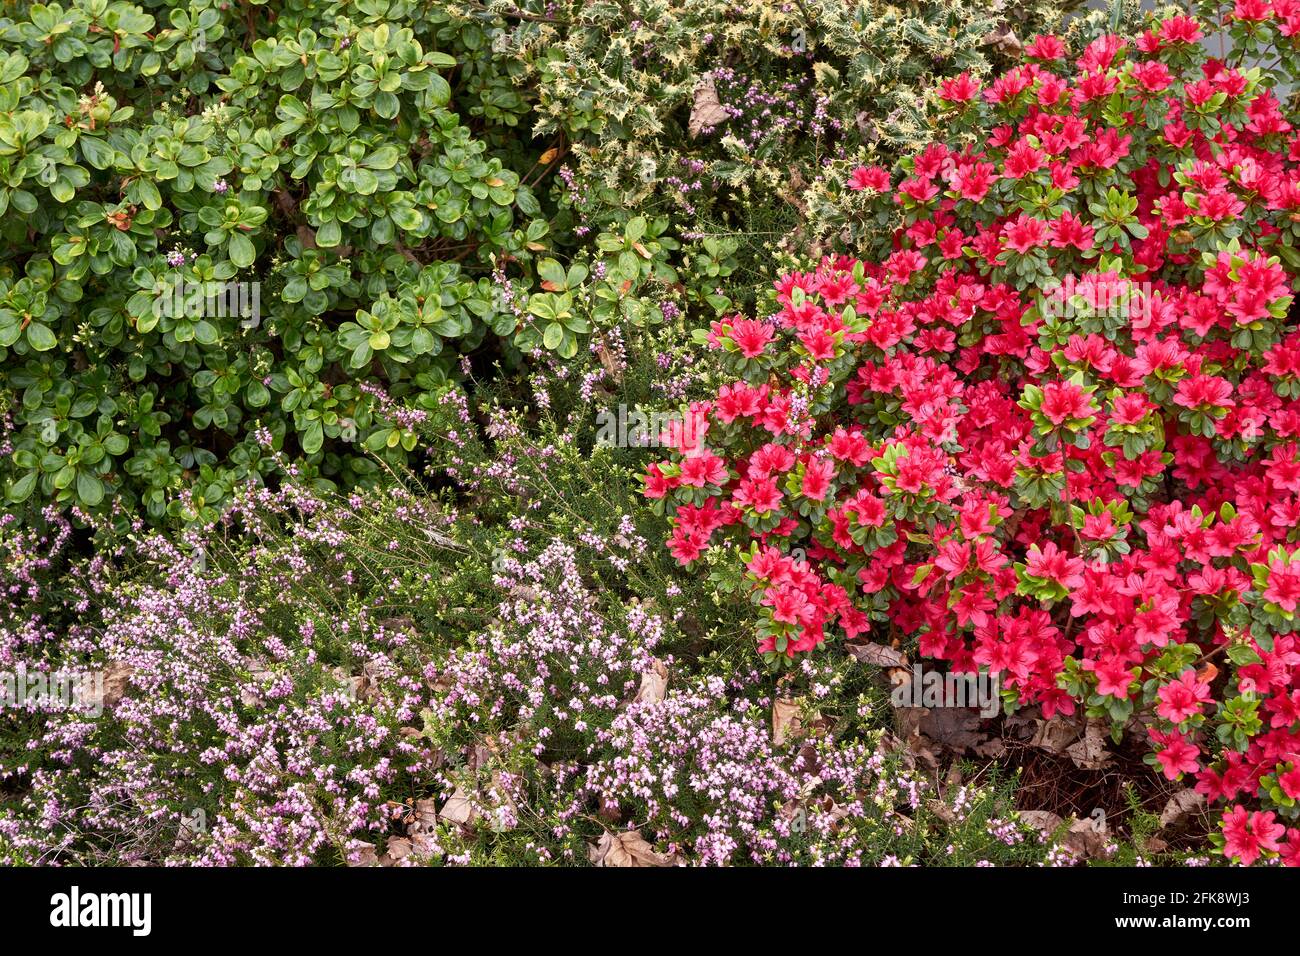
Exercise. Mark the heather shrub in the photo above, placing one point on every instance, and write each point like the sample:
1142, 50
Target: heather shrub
246, 711
382, 678
1050, 436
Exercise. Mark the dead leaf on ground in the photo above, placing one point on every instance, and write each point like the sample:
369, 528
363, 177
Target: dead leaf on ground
628, 848
424, 816
879, 655
654, 683
706, 110
398, 849
1044, 821
1004, 39
956, 728
362, 855
786, 722
609, 362
1088, 838
1091, 752
1154, 844
867, 127
1056, 734
117, 676
1180, 806
459, 809
941, 810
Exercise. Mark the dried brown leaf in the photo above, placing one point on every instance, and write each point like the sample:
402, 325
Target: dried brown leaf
786, 722
459, 809
654, 683
1091, 753
362, 854
1056, 734
1180, 806
1044, 821
117, 676
879, 655
1088, 838
628, 848
706, 110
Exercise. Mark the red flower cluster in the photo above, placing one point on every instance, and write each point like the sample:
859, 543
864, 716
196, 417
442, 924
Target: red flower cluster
1052, 432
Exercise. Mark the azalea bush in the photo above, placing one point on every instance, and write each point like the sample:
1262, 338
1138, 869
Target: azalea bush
1052, 434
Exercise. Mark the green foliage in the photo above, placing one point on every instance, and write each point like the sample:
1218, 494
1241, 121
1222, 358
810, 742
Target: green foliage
309, 168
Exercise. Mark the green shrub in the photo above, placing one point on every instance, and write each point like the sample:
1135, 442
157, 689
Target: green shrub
316, 155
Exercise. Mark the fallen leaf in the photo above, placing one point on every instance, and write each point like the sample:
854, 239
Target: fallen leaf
398, 849
941, 810
1004, 39
1090, 753
1180, 806
609, 362
459, 809
424, 816
362, 854
956, 728
117, 676
1055, 735
1153, 844
628, 848
1088, 838
706, 110
786, 722
654, 683
867, 127
878, 655
1044, 821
